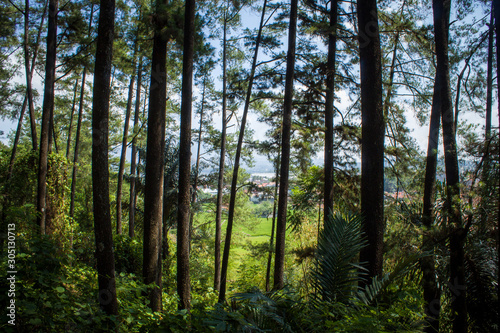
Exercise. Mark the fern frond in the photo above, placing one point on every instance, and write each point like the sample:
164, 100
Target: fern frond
372, 291
336, 272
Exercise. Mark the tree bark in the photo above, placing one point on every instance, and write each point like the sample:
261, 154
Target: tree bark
183, 237
100, 169
234, 181
220, 180
78, 128
34, 139
279, 259
70, 129
273, 224
16, 138
194, 194
29, 75
133, 166
432, 293
153, 194
496, 10
121, 168
24, 106
329, 111
487, 133
441, 10
77, 144
372, 137
48, 104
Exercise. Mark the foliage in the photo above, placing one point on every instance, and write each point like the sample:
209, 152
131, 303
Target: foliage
336, 272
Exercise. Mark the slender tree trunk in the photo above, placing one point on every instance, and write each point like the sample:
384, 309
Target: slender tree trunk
279, 259
100, 169
48, 104
487, 134
26, 100
234, 182
73, 106
220, 181
133, 166
183, 237
29, 74
372, 137
441, 9
121, 168
329, 110
273, 225
16, 139
77, 144
496, 10
79, 128
432, 293
194, 194
52, 133
153, 195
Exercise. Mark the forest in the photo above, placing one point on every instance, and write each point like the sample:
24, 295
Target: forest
249, 165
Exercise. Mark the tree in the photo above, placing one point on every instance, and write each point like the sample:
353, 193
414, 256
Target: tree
153, 193
47, 109
431, 291
77, 144
29, 74
183, 277
121, 169
279, 261
234, 181
100, 171
329, 110
220, 179
441, 11
78, 127
229, 18
26, 103
372, 136
496, 11
133, 157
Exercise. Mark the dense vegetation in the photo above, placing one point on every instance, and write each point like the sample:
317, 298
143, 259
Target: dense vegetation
126, 196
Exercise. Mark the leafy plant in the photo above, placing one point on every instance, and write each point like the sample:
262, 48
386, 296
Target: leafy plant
336, 272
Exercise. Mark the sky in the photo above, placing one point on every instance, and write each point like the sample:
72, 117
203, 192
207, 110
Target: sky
251, 20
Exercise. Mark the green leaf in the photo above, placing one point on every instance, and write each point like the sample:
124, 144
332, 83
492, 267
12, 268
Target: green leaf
60, 289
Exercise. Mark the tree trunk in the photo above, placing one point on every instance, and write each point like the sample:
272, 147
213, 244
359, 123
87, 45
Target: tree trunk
273, 225
100, 169
372, 137
26, 101
496, 10
133, 167
432, 293
220, 181
73, 106
329, 110
78, 129
153, 193
194, 194
487, 134
121, 168
16, 138
441, 9
279, 259
48, 104
77, 144
234, 182
183, 237
29, 74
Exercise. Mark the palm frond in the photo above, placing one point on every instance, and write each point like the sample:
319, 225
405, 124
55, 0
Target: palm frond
336, 272
373, 291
